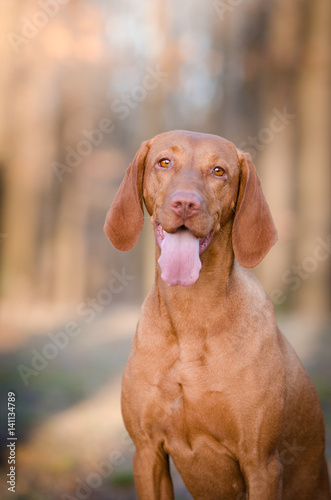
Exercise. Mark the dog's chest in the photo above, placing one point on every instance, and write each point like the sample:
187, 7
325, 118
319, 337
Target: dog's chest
182, 395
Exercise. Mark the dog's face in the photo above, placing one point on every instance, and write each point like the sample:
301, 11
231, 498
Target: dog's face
192, 185
198, 171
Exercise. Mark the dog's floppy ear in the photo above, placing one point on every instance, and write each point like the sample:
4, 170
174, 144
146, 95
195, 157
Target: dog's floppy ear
125, 218
253, 232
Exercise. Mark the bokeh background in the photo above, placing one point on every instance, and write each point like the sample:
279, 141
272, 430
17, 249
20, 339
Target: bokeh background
82, 83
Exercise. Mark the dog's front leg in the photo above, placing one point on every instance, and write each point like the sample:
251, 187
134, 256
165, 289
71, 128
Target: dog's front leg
264, 479
152, 474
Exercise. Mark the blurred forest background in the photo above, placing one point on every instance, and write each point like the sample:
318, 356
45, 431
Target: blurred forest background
82, 84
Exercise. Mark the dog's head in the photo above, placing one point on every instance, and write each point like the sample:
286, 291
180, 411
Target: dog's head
192, 185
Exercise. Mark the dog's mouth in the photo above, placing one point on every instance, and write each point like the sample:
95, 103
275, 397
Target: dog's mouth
180, 255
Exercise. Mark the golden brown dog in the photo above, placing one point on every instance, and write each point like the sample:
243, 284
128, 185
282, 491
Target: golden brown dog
211, 381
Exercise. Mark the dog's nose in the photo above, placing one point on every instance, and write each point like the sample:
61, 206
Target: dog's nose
185, 204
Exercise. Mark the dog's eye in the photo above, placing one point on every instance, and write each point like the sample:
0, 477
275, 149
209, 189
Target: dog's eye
219, 171
164, 163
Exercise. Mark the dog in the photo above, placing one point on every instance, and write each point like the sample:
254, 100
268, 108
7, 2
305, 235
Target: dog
211, 381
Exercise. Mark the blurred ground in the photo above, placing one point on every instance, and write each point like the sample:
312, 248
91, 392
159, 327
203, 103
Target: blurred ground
72, 443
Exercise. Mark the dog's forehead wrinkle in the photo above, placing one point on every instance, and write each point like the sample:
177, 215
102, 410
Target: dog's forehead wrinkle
175, 148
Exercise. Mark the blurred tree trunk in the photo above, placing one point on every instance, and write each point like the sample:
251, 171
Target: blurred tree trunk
45, 109
27, 138
314, 186
282, 57
297, 83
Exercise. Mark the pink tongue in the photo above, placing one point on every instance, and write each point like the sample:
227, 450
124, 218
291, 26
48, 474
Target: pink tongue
180, 262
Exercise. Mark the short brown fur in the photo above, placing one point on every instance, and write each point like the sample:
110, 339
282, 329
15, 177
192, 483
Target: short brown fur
211, 381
